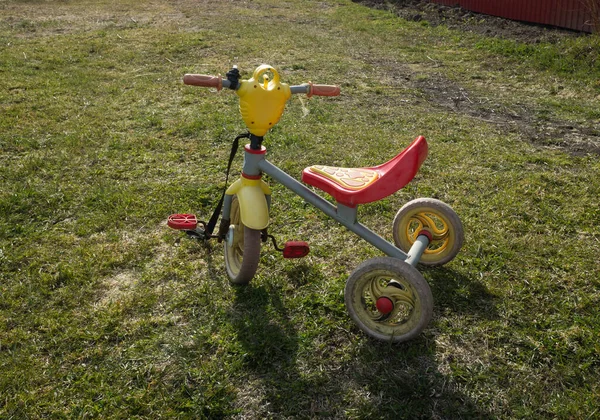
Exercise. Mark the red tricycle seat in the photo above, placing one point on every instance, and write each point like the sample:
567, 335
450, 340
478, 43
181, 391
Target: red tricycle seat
354, 186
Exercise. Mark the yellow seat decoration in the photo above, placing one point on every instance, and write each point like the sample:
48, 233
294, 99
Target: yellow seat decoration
349, 178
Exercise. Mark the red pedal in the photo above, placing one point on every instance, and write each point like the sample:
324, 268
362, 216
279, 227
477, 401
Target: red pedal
182, 221
295, 249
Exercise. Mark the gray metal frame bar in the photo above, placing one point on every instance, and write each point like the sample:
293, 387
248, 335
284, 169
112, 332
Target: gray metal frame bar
344, 215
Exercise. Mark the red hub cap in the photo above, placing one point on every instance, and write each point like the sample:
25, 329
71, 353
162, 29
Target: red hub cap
384, 305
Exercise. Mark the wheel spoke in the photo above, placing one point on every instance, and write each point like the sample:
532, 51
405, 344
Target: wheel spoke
382, 286
376, 288
437, 230
440, 230
399, 295
413, 228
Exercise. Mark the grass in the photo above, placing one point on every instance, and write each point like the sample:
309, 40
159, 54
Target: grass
104, 312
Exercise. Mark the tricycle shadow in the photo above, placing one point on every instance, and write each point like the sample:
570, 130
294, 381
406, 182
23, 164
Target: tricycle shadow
264, 329
455, 292
269, 344
416, 376
355, 374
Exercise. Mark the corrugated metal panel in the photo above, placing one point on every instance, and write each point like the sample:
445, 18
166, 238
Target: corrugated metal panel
569, 14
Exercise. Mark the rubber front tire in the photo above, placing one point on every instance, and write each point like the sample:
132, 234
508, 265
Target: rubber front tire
412, 302
242, 257
436, 217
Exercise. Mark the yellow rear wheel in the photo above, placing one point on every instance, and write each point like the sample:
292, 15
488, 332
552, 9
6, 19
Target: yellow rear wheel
439, 219
388, 299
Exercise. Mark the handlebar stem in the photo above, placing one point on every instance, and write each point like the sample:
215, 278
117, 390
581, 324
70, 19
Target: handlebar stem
255, 142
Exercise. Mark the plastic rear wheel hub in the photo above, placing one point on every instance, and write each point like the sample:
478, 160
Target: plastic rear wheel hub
384, 305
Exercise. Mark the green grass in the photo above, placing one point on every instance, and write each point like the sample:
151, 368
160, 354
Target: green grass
105, 313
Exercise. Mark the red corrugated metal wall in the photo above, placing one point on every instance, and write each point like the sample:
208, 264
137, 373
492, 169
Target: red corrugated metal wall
569, 14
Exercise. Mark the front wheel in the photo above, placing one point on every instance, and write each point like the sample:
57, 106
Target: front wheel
242, 248
436, 217
388, 299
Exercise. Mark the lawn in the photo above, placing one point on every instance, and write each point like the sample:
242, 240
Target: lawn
107, 313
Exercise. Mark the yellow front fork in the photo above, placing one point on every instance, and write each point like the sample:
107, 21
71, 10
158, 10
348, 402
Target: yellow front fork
254, 209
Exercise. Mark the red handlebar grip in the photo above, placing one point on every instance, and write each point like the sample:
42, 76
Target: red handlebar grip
203, 80
324, 90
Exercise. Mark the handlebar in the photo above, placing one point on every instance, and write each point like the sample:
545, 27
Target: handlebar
262, 97
323, 90
205, 80
310, 89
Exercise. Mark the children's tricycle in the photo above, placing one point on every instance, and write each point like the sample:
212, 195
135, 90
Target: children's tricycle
387, 297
